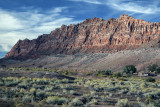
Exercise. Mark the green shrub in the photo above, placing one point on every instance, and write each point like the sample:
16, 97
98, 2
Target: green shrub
38, 86
73, 92
32, 90
27, 98
42, 82
150, 80
92, 93
129, 69
11, 83
48, 89
86, 98
152, 68
122, 78
117, 75
64, 72
1, 83
158, 70
56, 100
150, 98
65, 81
69, 87
74, 72
88, 73
123, 103
94, 101
15, 89
103, 73
104, 98
23, 85
9, 93
40, 95
76, 102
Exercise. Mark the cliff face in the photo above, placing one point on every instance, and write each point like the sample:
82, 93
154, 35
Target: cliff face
91, 36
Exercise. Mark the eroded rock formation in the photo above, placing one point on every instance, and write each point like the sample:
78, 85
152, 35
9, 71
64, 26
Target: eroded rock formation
91, 36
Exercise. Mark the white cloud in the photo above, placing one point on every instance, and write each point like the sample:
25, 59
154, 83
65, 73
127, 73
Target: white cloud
29, 24
8, 22
88, 1
53, 24
57, 10
133, 6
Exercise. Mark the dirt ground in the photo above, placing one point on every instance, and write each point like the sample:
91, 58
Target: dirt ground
32, 74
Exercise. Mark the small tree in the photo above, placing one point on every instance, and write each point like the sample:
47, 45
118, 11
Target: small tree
152, 68
158, 70
129, 69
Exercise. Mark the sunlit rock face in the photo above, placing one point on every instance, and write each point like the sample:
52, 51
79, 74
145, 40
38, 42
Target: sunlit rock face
91, 36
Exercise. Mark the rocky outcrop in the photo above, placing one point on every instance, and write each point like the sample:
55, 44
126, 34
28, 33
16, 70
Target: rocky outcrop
91, 36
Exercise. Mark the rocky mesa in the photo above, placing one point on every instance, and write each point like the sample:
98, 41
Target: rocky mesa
91, 36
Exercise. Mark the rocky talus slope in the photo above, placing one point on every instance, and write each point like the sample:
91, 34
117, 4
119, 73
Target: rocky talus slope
141, 58
91, 36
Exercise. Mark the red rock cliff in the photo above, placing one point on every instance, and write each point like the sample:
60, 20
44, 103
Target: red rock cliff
91, 36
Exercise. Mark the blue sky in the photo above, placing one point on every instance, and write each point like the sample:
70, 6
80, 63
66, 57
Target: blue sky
20, 19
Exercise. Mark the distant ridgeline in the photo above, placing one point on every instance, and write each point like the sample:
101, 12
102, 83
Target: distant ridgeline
91, 36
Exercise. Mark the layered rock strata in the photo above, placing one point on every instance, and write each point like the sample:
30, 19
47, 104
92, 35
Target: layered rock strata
91, 36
